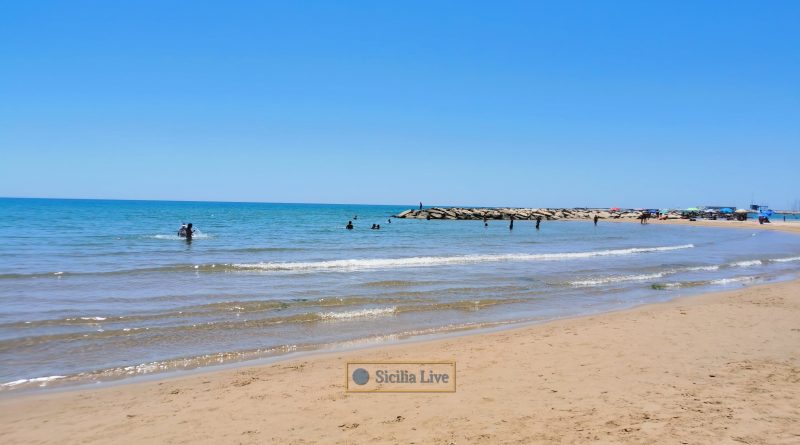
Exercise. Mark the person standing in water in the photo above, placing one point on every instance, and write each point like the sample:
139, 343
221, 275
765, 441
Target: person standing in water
538, 221
186, 231
595, 219
349, 225
511, 224
485, 223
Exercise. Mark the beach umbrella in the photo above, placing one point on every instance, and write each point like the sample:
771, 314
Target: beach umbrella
692, 209
727, 210
709, 211
614, 209
742, 211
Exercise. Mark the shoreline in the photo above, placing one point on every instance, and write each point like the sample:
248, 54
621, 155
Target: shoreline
153, 410
68, 383
122, 407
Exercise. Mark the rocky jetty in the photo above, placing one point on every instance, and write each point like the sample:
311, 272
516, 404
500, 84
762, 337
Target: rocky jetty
522, 214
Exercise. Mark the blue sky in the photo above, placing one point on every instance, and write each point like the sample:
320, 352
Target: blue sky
463, 103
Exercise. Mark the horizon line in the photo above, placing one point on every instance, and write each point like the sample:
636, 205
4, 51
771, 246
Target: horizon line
318, 203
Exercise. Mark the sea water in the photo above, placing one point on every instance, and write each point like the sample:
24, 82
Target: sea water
95, 290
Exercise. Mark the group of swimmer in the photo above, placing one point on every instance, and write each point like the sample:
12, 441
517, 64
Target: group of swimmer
350, 226
511, 222
186, 231
538, 220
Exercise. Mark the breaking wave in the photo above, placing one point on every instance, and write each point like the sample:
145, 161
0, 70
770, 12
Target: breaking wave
357, 314
387, 263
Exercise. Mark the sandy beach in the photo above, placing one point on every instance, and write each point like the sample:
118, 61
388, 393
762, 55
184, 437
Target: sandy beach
717, 368
777, 225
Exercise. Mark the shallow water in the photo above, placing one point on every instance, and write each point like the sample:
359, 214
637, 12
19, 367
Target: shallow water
98, 290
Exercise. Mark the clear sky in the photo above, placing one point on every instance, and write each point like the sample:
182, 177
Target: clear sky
596, 103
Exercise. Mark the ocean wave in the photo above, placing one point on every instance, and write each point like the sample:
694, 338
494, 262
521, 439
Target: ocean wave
617, 279
361, 313
42, 381
193, 327
386, 263
744, 279
589, 282
360, 264
785, 260
716, 282
701, 268
746, 263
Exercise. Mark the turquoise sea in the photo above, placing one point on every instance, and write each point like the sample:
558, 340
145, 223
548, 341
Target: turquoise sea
94, 290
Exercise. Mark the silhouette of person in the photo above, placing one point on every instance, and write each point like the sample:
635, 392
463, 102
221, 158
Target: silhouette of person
420, 205
538, 221
485, 223
186, 231
511, 224
595, 219
349, 225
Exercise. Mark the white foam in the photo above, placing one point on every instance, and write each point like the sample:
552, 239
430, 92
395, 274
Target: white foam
377, 312
42, 380
703, 268
746, 263
176, 237
617, 279
385, 263
93, 318
733, 280
786, 260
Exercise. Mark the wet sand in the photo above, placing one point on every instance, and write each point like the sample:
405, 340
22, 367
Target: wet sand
717, 368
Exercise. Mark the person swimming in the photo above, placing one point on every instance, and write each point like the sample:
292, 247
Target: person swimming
349, 225
186, 231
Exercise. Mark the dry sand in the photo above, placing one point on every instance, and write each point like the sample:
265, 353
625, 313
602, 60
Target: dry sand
717, 368
778, 224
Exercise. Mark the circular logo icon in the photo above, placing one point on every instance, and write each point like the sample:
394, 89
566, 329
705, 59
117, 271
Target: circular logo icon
360, 376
